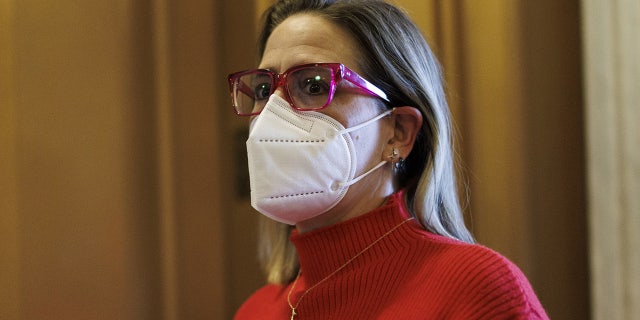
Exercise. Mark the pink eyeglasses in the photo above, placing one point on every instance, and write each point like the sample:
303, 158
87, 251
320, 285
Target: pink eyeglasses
306, 87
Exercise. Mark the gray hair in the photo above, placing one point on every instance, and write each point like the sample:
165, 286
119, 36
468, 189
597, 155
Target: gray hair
396, 58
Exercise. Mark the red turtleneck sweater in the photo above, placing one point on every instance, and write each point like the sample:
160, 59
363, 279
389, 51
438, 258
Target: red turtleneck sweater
409, 274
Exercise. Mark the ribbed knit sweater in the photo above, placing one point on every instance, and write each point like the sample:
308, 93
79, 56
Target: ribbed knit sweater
409, 274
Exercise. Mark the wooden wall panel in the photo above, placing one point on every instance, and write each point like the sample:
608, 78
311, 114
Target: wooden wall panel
494, 140
109, 156
81, 167
612, 80
196, 117
9, 214
555, 155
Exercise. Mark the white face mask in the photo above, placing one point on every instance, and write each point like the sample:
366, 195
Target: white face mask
300, 163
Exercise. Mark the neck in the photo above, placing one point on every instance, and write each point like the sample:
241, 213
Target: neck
324, 250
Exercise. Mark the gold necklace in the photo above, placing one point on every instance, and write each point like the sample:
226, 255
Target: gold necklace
293, 308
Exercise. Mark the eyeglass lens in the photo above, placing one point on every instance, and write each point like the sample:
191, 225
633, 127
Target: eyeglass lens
308, 88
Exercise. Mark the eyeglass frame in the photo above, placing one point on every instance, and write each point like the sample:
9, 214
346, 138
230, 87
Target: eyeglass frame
340, 72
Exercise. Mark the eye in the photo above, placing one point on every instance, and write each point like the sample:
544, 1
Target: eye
315, 86
262, 91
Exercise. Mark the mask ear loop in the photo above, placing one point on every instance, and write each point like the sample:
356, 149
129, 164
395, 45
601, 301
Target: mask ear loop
341, 185
364, 124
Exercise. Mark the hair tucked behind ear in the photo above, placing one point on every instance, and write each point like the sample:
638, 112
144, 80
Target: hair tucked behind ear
396, 58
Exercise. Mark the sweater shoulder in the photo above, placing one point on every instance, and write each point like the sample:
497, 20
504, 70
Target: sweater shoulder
265, 301
460, 253
482, 280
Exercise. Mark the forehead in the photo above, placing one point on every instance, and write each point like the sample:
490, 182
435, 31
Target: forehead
308, 38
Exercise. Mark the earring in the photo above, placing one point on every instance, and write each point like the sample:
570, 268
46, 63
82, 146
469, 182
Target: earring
394, 155
398, 166
396, 161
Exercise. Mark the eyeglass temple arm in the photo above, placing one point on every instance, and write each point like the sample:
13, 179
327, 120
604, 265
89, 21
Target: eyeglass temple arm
365, 85
242, 87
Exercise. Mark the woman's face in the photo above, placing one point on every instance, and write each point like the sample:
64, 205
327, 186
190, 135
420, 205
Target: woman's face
307, 38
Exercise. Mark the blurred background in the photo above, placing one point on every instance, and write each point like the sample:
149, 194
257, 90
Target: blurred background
123, 183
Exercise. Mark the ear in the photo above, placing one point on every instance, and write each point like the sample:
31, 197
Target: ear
408, 122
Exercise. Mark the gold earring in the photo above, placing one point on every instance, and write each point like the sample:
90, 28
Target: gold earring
394, 155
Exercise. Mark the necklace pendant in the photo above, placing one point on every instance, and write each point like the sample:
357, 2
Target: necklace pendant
293, 313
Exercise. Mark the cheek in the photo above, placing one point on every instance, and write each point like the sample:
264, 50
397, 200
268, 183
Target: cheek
369, 145
351, 110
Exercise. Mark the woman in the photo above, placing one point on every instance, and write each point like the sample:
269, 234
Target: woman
350, 155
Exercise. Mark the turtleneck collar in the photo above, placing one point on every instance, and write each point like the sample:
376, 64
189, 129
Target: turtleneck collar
324, 250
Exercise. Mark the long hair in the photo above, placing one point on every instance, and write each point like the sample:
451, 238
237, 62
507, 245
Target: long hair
396, 58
